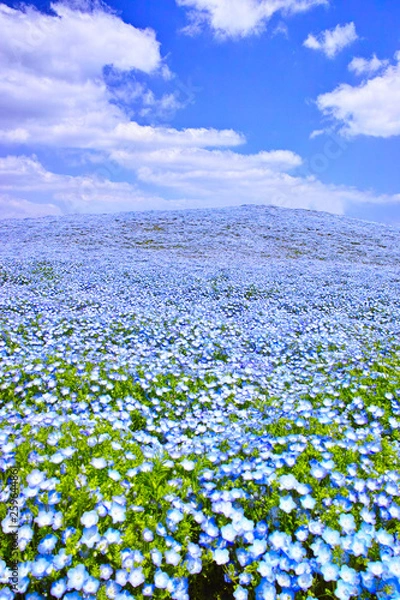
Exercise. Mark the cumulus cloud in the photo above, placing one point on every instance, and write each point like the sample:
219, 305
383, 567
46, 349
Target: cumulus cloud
24, 183
223, 177
185, 178
332, 41
73, 44
239, 18
54, 92
363, 66
19, 208
372, 108
53, 69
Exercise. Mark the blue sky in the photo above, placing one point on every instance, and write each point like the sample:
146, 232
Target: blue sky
200, 103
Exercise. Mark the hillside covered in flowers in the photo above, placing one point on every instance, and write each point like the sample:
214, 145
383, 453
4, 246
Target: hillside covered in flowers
200, 404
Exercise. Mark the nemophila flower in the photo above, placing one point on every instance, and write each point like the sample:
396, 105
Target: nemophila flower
105, 572
91, 585
156, 557
112, 536
330, 571
194, 565
62, 559
136, 577
393, 567
45, 518
345, 590
35, 478
90, 518
287, 504
349, 575
77, 577
302, 533
117, 512
221, 556
42, 566
172, 557
98, 463
279, 540
58, 588
347, 522
47, 544
228, 532
265, 591
90, 536
148, 535
148, 590
112, 589
308, 502
305, 581
161, 579
25, 535
6, 593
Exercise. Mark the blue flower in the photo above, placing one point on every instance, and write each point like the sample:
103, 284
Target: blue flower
91, 585
117, 512
161, 579
148, 590
105, 572
221, 557
90, 518
47, 544
330, 571
42, 566
58, 588
136, 577
90, 536
77, 577
287, 504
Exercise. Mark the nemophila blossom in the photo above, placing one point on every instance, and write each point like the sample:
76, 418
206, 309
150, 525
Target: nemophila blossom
330, 571
117, 512
45, 517
42, 566
148, 535
105, 572
221, 556
90, 536
287, 504
161, 579
98, 463
58, 588
347, 522
6, 593
156, 557
77, 576
47, 544
61, 560
136, 577
112, 589
89, 518
35, 478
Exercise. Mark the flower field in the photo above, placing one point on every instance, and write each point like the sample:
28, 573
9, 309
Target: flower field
200, 404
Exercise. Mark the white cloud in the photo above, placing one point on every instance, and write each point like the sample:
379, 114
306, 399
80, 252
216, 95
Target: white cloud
224, 178
363, 66
239, 18
22, 176
332, 41
18, 208
53, 70
189, 177
372, 108
52, 88
74, 45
